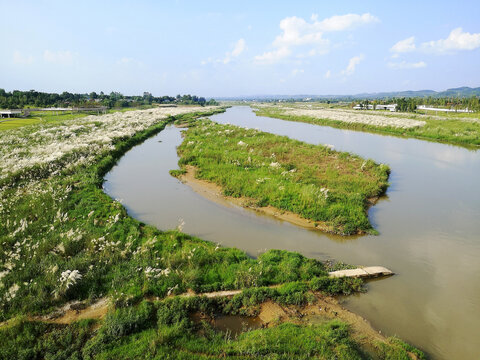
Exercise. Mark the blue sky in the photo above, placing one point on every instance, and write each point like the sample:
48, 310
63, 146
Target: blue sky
221, 48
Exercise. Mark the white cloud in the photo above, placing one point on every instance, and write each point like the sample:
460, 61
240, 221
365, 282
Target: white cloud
20, 59
328, 74
403, 46
58, 57
298, 32
456, 41
352, 64
270, 57
345, 22
238, 48
406, 65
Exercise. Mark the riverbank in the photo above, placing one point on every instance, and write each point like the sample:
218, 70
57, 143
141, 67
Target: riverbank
313, 186
464, 131
58, 219
419, 253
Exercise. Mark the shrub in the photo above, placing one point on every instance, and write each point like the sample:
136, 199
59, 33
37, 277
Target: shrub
125, 321
335, 286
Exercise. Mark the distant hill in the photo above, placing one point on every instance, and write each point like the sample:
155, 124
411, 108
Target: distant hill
463, 91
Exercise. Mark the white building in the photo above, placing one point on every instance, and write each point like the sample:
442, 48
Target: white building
362, 107
391, 107
10, 113
425, 108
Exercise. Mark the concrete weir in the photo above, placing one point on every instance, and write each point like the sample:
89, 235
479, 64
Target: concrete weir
364, 272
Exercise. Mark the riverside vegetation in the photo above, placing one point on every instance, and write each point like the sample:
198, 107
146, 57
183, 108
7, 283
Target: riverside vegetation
328, 187
63, 239
459, 129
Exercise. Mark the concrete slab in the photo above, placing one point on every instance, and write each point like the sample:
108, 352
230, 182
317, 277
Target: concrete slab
366, 272
378, 270
349, 273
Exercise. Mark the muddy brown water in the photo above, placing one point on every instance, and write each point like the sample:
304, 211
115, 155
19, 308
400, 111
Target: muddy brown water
231, 325
429, 226
236, 324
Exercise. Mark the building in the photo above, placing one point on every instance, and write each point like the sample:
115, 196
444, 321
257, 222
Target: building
362, 107
10, 113
426, 108
391, 107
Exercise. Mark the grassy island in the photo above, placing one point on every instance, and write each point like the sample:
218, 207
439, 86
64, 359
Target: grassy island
331, 189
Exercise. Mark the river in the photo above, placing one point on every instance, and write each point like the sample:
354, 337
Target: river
429, 224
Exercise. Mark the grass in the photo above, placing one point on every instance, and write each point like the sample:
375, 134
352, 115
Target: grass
449, 129
39, 117
312, 181
63, 239
166, 330
68, 223
13, 123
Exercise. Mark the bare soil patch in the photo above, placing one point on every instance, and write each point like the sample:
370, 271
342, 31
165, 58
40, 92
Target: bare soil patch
75, 311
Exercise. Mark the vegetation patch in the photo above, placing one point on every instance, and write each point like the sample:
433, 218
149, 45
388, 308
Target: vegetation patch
166, 329
464, 130
64, 239
315, 182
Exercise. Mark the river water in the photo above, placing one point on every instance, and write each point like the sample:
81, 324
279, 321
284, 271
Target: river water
429, 224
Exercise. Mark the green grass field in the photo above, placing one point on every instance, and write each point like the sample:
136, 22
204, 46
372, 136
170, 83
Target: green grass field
13, 123
45, 117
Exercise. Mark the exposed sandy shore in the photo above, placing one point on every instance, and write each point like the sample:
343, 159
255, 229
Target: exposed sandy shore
325, 308
214, 193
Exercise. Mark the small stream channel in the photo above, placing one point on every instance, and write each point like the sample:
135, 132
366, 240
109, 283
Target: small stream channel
429, 226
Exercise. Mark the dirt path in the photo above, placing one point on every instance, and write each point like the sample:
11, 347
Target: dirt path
77, 310
74, 311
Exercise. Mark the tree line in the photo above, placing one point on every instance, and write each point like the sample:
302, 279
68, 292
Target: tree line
23, 99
